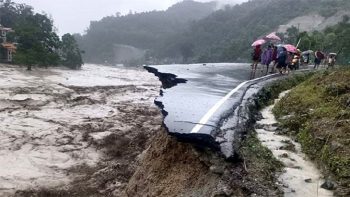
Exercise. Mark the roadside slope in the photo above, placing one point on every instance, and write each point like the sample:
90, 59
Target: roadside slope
317, 114
172, 168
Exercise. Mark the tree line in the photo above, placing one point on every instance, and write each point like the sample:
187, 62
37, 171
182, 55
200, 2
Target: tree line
334, 39
36, 39
148, 31
220, 36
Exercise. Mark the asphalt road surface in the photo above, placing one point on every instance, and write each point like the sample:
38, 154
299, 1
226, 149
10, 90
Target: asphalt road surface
188, 103
197, 99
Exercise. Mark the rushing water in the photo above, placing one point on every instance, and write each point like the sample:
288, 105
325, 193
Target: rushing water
51, 119
300, 177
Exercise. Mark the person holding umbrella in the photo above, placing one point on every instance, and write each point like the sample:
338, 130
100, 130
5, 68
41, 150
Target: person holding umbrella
319, 56
266, 57
306, 57
331, 60
256, 55
282, 61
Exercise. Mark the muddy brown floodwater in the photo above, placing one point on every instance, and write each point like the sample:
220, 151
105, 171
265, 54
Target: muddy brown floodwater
59, 127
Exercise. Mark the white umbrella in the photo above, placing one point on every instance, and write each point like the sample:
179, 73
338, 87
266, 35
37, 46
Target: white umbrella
307, 52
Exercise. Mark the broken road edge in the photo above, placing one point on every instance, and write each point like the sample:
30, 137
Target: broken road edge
254, 95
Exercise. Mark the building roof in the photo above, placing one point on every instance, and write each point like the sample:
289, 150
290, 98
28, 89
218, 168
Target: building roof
6, 29
10, 46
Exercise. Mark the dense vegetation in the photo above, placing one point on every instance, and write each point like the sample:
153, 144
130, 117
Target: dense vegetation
146, 31
317, 113
38, 44
224, 35
334, 39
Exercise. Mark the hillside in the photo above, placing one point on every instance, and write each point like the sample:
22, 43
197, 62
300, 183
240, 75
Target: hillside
226, 35
141, 30
191, 32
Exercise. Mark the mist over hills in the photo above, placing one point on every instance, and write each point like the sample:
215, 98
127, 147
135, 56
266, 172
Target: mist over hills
197, 32
140, 30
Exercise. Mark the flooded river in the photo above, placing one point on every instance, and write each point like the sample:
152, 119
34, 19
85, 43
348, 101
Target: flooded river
54, 120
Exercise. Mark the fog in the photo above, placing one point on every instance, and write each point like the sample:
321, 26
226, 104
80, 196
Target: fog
75, 16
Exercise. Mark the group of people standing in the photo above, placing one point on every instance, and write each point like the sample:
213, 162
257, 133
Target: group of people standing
283, 61
280, 59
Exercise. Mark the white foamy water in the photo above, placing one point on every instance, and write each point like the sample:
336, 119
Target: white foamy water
298, 168
45, 115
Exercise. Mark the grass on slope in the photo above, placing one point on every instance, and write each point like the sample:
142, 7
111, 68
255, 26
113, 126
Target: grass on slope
318, 112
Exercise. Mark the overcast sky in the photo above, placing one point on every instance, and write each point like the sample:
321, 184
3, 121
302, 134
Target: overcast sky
74, 16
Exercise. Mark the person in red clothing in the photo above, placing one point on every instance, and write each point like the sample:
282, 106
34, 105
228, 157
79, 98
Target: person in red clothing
256, 57
319, 56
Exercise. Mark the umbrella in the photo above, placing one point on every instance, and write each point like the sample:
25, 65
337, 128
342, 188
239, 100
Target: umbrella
291, 48
307, 52
272, 36
258, 42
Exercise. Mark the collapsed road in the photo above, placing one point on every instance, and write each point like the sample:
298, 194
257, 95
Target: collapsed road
207, 104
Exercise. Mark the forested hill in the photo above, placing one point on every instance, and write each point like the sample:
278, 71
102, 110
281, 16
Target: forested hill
206, 36
226, 35
141, 30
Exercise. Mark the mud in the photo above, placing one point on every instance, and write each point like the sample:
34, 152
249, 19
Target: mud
171, 168
69, 132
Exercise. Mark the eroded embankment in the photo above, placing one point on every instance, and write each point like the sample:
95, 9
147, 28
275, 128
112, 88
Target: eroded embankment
171, 168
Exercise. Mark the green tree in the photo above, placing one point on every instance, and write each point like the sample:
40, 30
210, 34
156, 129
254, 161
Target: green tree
38, 43
71, 56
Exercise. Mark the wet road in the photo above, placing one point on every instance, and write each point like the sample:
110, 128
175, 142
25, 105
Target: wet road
209, 94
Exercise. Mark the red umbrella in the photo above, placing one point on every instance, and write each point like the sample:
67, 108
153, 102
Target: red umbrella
291, 48
272, 36
258, 42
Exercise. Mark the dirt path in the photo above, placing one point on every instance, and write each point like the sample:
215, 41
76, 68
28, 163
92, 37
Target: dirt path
58, 127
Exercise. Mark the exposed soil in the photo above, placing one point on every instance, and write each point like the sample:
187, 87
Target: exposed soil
171, 168
313, 22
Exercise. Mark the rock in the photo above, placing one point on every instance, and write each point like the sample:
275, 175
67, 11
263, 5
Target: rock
308, 180
217, 169
275, 125
335, 145
220, 194
282, 131
259, 116
259, 126
329, 185
287, 117
269, 128
222, 191
284, 155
